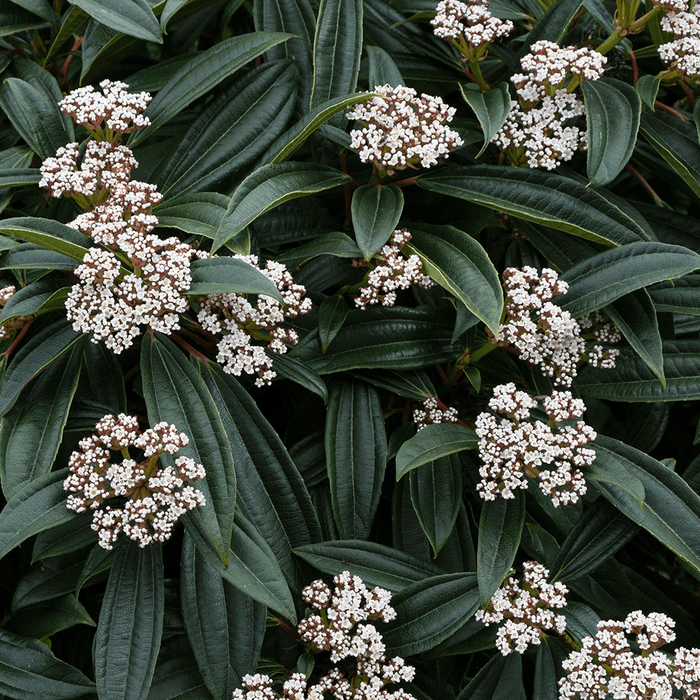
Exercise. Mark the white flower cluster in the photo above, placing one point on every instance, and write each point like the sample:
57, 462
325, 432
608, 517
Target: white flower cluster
527, 609
431, 413
512, 448
536, 131
607, 666
607, 333
671, 5
244, 322
401, 130
683, 53
544, 333
156, 495
392, 271
471, 22
7, 329
340, 628
115, 110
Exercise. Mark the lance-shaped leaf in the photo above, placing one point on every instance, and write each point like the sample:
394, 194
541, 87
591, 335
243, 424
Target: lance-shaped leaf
355, 455
458, 263
376, 564
225, 627
132, 17
680, 296
20, 177
599, 280
337, 49
553, 24
382, 69
31, 432
670, 510
28, 256
199, 213
34, 508
436, 493
542, 197
677, 143
206, 70
176, 393
130, 627
429, 611
229, 275
34, 299
613, 111
491, 108
500, 528
392, 338
331, 316
268, 187
233, 130
431, 443
635, 316
497, 672
37, 354
49, 234
71, 20
334, 243
375, 213
30, 671
648, 88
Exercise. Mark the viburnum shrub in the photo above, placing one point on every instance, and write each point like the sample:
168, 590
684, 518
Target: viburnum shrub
350, 350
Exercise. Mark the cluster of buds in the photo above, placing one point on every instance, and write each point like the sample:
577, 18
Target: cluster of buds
607, 666
431, 413
536, 132
338, 625
683, 53
470, 26
401, 130
608, 333
154, 496
391, 271
244, 322
544, 333
512, 448
526, 606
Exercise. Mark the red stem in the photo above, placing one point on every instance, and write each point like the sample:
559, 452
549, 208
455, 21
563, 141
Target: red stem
635, 67
19, 337
670, 110
186, 346
63, 73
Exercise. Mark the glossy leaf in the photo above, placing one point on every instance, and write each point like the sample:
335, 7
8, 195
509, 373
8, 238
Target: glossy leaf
613, 111
48, 234
607, 276
485, 684
28, 256
130, 627
299, 372
458, 263
176, 393
335, 243
229, 275
38, 297
70, 21
553, 24
355, 455
375, 564
429, 611
436, 494
431, 443
500, 528
491, 108
206, 70
132, 17
331, 316
32, 431
375, 214
671, 509
233, 129
679, 296
648, 88
543, 198
382, 69
198, 214
34, 508
269, 187
30, 671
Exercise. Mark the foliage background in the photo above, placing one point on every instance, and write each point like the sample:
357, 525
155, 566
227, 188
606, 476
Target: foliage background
249, 145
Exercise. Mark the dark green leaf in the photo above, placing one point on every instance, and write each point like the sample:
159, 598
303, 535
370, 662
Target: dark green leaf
132, 17
37, 297
648, 88
64, 539
679, 296
41, 8
375, 564
382, 69
335, 243
545, 685
48, 234
411, 384
19, 177
500, 528
130, 627
458, 263
491, 108
28, 670
269, 187
429, 611
229, 275
375, 214
199, 214
485, 684
613, 111
71, 20
206, 70
31, 432
355, 455
607, 276
176, 393
297, 371
28, 256
34, 508
50, 617
436, 494
553, 24
331, 317
544, 198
